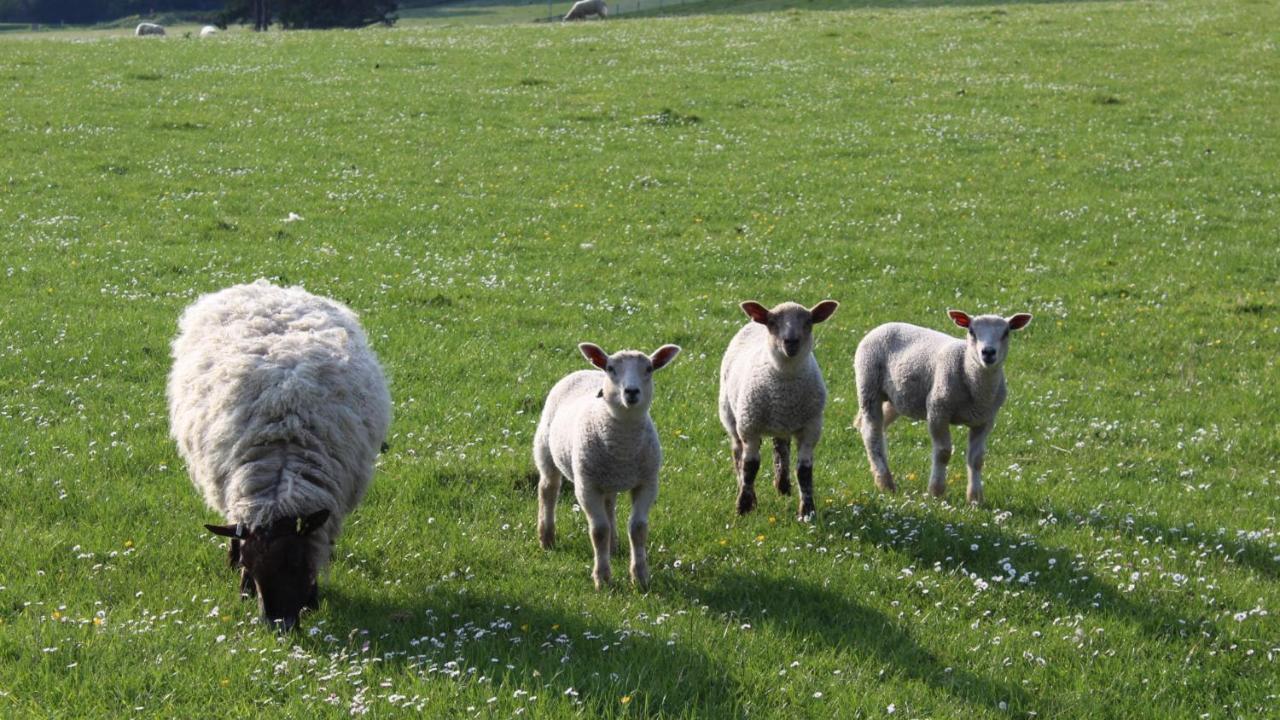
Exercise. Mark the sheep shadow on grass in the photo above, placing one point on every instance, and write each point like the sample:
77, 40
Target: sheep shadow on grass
821, 616
525, 644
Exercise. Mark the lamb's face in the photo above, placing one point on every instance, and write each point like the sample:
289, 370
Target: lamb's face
628, 381
988, 336
277, 566
790, 325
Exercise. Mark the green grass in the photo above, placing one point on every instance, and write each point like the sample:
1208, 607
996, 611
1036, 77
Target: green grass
488, 197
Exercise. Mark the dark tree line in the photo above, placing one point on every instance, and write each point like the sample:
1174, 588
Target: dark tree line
299, 14
94, 11
289, 14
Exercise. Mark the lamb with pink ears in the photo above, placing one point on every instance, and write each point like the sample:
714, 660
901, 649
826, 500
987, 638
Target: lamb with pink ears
596, 432
926, 375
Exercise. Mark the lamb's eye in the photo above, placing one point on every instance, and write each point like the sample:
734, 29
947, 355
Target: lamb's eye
609, 369
648, 371
970, 332
1006, 333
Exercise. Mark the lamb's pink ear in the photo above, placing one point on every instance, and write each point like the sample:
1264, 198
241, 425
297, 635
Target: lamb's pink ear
823, 310
960, 317
664, 355
1019, 321
312, 522
594, 355
230, 531
756, 311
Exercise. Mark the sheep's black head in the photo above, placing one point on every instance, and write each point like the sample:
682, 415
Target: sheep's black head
988, 339
628, 381
790, 324
277, 565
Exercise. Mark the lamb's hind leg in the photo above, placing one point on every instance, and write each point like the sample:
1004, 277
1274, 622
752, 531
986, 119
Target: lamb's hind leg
871, 425
782, 465
747, 480
548, 493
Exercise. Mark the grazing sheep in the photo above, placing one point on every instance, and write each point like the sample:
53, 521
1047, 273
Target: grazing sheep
148, 29
927, 375
584, 9
596, 432
279, 409
208, 31
770, 384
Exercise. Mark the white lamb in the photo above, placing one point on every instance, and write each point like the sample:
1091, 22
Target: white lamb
148, 29
770, 384
208, 31
596, 432
927, 375
279, 409
584, 9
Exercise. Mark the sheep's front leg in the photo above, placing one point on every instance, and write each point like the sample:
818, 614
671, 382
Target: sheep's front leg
747, 480
804, 471
977, 453
940, 431
642, 499
593, 504
611, 507
548, 493
871, 424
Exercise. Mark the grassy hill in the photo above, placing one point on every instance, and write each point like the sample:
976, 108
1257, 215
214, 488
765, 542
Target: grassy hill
488, 197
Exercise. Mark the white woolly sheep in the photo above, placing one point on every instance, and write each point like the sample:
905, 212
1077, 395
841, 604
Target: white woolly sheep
926, 375
148, 29
596, 432
584, 9
279, 409
208, 31
770, 384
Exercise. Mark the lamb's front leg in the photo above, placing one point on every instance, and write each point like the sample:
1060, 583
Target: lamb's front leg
642, 499
747, 480
808, 440
977, 453
940, 432
593, 504
611, 507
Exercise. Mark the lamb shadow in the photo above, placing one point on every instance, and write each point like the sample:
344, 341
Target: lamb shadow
823, 617
540, 647
1061, 578
1233, 549
694, 7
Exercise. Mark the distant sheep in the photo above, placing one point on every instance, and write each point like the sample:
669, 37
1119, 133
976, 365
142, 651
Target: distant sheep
584, 9
927, 375
596, 432
208, 31
279, 409
770, 384
148, 29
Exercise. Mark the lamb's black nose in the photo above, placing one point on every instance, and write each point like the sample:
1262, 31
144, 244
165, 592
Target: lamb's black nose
633, 395
791, 346
988, 355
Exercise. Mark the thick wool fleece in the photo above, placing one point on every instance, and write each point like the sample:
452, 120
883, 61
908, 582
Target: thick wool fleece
278, 406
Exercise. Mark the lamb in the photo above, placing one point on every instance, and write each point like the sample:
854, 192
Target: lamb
208, 31
926, 375
770, 384
148, 29
596, 432
583, 9
279, 408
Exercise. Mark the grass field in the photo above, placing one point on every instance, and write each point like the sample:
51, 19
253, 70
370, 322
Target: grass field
487, 197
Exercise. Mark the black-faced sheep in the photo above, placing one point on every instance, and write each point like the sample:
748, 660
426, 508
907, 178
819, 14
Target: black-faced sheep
279, 409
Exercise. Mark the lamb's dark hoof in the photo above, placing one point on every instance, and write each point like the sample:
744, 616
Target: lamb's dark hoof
746, 502
807, 513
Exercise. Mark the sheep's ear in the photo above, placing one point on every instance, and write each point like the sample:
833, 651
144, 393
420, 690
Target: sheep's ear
594, 355
312, 522
1019, 321
230, 531
961, 318
823, 310
664, 355
756, 311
